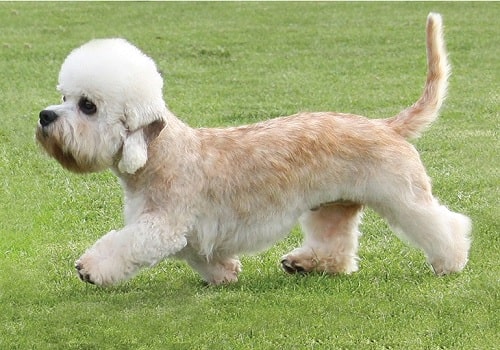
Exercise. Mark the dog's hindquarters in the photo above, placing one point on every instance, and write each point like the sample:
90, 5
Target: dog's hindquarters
407, 201
443, 235
401, 193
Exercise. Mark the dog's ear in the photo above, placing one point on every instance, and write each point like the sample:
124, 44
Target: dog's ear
139, 115
139, 119
134, 152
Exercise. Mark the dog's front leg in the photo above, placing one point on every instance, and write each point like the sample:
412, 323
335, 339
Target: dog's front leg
216, 270
119, 255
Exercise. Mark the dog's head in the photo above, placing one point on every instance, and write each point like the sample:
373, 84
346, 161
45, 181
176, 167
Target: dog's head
111, 92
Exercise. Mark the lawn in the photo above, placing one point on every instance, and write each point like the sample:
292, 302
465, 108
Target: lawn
229, 64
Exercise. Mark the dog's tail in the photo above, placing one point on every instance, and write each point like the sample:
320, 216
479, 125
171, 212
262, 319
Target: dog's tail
412, 121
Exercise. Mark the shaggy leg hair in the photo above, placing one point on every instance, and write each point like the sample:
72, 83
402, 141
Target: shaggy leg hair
331, 240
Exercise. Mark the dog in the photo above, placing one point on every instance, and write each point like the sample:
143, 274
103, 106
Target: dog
207, 195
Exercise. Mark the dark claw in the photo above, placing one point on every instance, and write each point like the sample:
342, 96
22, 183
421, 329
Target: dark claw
83, 277
291, 268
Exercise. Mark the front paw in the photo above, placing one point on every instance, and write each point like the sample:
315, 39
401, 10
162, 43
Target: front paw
226, 272
89, 271
82, 272
104, 264
101, 271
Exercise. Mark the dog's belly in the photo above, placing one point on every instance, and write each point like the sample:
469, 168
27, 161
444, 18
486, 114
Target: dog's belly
228, 235
254, 221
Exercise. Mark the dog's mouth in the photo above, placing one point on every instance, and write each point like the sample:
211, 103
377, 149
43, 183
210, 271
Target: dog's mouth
66, 160
53, 149
42, 131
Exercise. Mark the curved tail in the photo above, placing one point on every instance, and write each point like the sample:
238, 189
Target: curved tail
412, 121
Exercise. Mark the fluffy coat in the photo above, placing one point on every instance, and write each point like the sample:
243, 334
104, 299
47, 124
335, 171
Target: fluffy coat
206, 195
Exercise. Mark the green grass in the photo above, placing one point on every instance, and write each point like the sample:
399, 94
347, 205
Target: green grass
234, 63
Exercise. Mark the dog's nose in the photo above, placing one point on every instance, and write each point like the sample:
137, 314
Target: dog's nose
47, 117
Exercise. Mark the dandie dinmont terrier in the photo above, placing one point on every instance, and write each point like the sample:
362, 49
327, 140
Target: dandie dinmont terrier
206, 195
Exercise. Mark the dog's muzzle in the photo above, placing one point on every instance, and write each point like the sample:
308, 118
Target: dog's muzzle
47, 117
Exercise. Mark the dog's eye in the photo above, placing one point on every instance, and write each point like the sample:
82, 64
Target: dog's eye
87, 106
63, 98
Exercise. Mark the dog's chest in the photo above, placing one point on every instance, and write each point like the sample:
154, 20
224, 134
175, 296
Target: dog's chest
135, 203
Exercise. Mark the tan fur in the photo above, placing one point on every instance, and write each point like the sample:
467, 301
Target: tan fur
206, 195
410, 122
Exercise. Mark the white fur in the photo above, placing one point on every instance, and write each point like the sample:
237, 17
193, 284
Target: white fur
134, 153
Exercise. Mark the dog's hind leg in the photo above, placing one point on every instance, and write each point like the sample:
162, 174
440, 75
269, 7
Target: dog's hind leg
330, 242
442, 234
